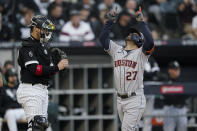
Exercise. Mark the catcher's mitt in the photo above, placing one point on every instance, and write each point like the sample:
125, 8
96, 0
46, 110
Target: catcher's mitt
57, 55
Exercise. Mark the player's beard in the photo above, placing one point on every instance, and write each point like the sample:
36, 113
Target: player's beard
129, 42
128, 38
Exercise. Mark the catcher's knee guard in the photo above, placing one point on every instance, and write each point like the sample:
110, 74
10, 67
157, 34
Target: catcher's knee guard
39, 123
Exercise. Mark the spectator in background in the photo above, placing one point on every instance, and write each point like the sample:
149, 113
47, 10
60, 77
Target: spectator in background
22, 29
43, 5
97, 26
76, 29
131, 6
186, 11
155, 33
109, 5
10, 109
163, 14
84, 4
7, 65
5, 31
88, 11
193, 35
85, 14
155, 10
55, 14
24, 5
87, 4
120, 29
154, 28
66, 6
174, 104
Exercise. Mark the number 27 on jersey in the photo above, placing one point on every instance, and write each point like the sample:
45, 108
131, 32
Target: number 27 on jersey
131, 75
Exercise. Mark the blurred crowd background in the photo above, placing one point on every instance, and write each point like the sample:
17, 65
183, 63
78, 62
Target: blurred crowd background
83, 20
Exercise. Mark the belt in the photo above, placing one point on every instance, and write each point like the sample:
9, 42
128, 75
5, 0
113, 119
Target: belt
124, 96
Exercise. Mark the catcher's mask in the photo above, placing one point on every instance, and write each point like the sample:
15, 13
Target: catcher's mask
135, 36
46, 27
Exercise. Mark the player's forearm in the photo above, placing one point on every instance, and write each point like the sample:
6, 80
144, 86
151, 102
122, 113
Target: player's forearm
41, 70
149, 42
104, 36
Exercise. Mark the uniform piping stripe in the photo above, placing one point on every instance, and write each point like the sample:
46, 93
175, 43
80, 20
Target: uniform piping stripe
138, 113
120, 78
31, 62
124, 79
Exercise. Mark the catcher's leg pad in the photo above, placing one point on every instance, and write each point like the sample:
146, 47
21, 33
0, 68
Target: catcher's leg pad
39, 123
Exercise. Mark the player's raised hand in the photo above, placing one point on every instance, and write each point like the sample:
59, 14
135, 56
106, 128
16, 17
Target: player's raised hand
139, 15
112, 15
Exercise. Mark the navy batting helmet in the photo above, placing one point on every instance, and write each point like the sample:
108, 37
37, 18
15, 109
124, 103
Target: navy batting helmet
136, 36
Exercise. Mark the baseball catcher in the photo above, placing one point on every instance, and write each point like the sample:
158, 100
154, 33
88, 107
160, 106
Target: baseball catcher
38, 64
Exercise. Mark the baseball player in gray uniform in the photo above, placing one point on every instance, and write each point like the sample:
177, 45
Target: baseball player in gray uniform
129, 64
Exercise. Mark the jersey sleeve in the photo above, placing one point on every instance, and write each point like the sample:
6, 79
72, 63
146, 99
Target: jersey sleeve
113, 48
148, 46
28, 56
144, 57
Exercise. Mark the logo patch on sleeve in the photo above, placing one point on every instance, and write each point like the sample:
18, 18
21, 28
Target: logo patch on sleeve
31, 54
45, 52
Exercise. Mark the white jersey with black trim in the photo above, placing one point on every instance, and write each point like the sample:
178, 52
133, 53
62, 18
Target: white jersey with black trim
128, 67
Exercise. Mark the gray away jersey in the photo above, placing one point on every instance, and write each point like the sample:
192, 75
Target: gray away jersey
128, 68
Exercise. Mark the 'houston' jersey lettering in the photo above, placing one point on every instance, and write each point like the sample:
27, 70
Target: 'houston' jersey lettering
128, 68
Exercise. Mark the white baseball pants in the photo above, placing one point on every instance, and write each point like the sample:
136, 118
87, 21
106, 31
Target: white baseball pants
130, 111
12, 116
170, 123
34, 100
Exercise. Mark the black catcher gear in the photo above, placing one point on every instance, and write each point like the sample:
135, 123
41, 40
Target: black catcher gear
57, 55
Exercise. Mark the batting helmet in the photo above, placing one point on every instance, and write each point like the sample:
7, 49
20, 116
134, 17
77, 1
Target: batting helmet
136, 36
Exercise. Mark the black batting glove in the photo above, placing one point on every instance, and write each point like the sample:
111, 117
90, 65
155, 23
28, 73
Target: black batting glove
139, 15
112, 15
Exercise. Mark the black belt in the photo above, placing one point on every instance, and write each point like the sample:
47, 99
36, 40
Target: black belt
124, 96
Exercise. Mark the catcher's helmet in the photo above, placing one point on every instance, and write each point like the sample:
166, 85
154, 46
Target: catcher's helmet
45, 25
136, 36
